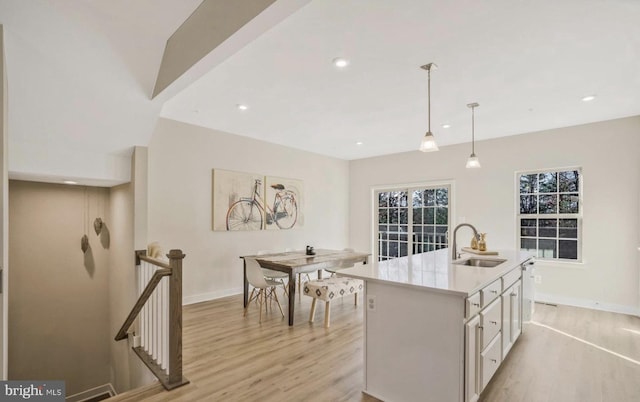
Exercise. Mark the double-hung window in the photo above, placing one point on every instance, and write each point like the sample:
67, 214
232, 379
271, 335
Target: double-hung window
411, 220
550, 213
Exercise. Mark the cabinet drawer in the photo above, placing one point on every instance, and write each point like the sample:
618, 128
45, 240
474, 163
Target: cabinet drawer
511, 278
490, 361
472, 305
490, 292
491, 322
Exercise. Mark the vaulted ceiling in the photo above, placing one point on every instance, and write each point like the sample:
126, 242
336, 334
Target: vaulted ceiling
81, 73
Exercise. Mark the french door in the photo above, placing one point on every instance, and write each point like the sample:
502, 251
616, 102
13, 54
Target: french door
411, 220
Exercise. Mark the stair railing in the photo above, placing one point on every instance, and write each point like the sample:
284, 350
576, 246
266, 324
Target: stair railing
159, 313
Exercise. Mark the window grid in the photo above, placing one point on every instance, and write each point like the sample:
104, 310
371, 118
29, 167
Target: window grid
549, 218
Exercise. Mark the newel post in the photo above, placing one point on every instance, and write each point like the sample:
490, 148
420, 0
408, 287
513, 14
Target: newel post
175, 318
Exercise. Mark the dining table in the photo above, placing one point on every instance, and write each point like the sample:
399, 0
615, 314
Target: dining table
295, 262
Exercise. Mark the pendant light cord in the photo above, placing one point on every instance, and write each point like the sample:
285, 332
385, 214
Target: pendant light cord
429, 99
473, 106
473, 131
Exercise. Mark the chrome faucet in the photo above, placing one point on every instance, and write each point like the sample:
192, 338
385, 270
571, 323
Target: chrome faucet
454, 252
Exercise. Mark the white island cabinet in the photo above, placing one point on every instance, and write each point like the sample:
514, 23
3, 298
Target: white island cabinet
435, 330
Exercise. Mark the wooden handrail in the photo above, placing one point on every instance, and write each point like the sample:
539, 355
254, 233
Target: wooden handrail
140, 256
173, 270
148, 290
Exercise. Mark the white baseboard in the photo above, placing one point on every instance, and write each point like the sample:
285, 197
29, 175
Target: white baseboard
90, 393
202, 297
592, 304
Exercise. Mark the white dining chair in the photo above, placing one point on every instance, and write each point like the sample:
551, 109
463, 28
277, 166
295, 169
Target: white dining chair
266, 287
274, 275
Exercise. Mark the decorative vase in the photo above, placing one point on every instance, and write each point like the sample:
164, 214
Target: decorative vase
482, 243
84, 243
97, 226
474, 242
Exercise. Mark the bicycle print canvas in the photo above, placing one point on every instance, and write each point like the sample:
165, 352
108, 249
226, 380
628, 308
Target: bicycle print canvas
228, 187
246, 201
284, 198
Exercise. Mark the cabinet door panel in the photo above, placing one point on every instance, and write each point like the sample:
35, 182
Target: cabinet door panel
516, 311
506, 322
491, 320
472, 352
490, 360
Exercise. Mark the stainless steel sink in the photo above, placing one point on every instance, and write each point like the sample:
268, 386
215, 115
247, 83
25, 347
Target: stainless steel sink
481, 262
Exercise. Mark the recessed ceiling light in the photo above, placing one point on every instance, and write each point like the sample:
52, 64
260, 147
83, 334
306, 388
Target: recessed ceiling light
588, 98
70, 182
340, 62
359, 143
446, 126
240, 106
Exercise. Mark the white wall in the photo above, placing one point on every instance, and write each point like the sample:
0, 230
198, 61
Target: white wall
607, 152
181, 158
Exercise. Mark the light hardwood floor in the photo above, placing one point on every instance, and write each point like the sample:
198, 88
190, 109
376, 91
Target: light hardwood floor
228, 357
567, 354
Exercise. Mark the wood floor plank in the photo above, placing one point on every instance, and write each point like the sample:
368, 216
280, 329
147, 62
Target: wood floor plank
567, 354
571, 354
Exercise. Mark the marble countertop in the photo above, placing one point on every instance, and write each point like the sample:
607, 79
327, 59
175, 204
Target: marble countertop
433, 271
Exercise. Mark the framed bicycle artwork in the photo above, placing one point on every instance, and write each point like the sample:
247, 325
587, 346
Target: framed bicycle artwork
246, 201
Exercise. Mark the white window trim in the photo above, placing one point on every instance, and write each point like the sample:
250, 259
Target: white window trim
373, 216
579, 263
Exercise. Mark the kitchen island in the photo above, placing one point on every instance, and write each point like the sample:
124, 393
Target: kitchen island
436, 330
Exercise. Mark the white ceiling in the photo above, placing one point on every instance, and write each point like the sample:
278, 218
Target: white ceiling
527, 64
81, 71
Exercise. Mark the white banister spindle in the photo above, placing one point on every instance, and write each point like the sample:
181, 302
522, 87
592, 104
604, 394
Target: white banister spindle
143, 315
147, 269
160, 358
154, 316
164, 323
140, 288
154, 322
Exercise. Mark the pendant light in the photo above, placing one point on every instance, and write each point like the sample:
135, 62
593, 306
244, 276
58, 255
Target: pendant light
473, 162
428, 143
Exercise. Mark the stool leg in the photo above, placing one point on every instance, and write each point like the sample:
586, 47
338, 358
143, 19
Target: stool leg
313, 309
327, 313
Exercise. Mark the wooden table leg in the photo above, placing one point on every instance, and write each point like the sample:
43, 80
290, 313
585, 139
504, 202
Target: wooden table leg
292, 295
246, 283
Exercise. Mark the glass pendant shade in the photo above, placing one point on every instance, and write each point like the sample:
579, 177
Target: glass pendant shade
428, 143
473, 162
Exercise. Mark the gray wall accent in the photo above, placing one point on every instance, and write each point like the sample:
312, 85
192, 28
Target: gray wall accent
58, 296
213, 22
